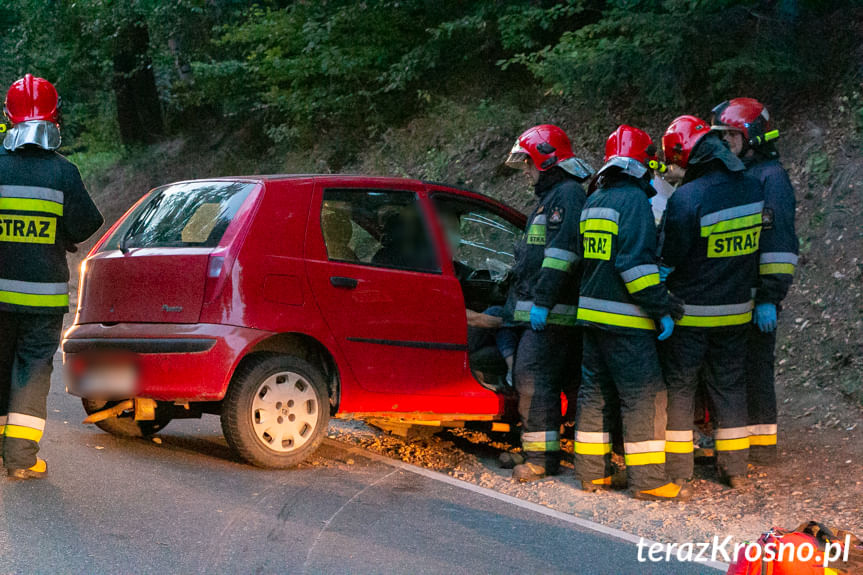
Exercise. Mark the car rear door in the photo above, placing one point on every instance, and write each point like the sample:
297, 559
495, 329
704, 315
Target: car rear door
375, 266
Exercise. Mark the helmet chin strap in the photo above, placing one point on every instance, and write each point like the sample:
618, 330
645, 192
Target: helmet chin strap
40, 133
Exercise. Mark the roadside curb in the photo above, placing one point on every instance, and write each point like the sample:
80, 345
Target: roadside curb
536, 508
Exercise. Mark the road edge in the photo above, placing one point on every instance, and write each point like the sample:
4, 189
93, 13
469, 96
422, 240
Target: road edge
535, 507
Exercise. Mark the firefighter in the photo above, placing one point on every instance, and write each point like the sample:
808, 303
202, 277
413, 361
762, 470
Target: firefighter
544, 293
745, 125
621, 305
44, 212
711, 230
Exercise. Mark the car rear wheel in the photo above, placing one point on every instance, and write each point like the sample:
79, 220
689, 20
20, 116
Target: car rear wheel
276, 411
124, 425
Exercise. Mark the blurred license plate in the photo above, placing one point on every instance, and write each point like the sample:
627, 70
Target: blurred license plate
109, 380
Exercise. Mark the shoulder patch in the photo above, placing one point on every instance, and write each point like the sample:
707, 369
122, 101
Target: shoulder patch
767, 218
556, 216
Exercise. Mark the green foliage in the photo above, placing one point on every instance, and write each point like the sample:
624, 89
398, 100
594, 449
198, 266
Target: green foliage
819, 168
341, 71
677, 54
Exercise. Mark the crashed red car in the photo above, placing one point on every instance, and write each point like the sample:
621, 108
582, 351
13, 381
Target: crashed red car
280, 301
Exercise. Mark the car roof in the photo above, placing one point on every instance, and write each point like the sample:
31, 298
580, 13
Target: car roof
341, 178
359, 179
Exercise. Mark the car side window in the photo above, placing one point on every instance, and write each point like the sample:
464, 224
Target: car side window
381, 228
479, 238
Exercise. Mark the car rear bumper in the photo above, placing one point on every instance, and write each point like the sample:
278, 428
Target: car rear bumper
173, 362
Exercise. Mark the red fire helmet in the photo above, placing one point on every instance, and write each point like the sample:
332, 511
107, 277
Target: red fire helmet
681, 137
32, 98
545, 145
746, 115
629, 142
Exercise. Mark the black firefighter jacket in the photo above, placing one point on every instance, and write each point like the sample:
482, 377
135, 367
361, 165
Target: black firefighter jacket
712, 231
44, 210
620, 287
545, 272
779, 245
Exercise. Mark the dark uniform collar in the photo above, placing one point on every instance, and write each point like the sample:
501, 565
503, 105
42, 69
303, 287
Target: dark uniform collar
711, 154
620, 180
549, 180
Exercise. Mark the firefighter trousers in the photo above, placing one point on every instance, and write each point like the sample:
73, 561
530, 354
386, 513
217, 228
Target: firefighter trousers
27, 346
621, 371
546, 363
761, 395
722, 352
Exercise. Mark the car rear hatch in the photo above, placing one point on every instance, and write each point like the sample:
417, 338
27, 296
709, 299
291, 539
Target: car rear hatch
167, 255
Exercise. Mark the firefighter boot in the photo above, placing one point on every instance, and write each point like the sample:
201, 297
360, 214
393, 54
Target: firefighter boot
737, 481
667, 492
527, 472
602, 484
508, 460
37, 471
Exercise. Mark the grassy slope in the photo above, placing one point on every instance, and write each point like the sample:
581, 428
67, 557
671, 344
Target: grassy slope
464, 144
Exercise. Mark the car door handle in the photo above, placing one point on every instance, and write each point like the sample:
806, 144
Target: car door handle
342, 282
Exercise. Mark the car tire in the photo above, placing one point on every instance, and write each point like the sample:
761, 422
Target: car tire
276, 411
125, 425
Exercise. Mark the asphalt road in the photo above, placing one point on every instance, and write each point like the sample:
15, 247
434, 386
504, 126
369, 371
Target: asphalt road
188, 506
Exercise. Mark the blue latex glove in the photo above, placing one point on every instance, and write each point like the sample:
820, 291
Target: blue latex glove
664, 271
538, 317
667, 325
765, 317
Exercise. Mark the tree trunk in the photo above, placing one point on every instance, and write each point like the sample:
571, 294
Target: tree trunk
139, 112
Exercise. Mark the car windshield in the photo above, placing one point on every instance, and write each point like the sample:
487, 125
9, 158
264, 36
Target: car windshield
194, 214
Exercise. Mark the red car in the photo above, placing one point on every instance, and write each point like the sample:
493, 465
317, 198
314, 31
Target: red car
280, 301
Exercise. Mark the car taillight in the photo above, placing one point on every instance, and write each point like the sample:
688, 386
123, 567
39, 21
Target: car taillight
82, 275
214, 268
215, 276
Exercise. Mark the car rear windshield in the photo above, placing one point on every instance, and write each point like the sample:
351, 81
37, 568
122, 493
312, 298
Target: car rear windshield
194, 214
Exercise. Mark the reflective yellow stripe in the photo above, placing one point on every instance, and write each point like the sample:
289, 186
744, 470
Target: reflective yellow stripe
595, 225
21, 432
642, 282
767, 269
2, 429
715, 320
556, 264
592, 448
732, 444
732, 224
28, 229
536, 234
762, 440
617, 319
29, 205
679, 446
541, 445
650, 458
34, 300
733, 244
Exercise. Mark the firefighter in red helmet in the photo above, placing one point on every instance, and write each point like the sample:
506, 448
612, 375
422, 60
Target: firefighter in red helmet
622, 306
711, 229
544, 293
44, 211
745, 125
